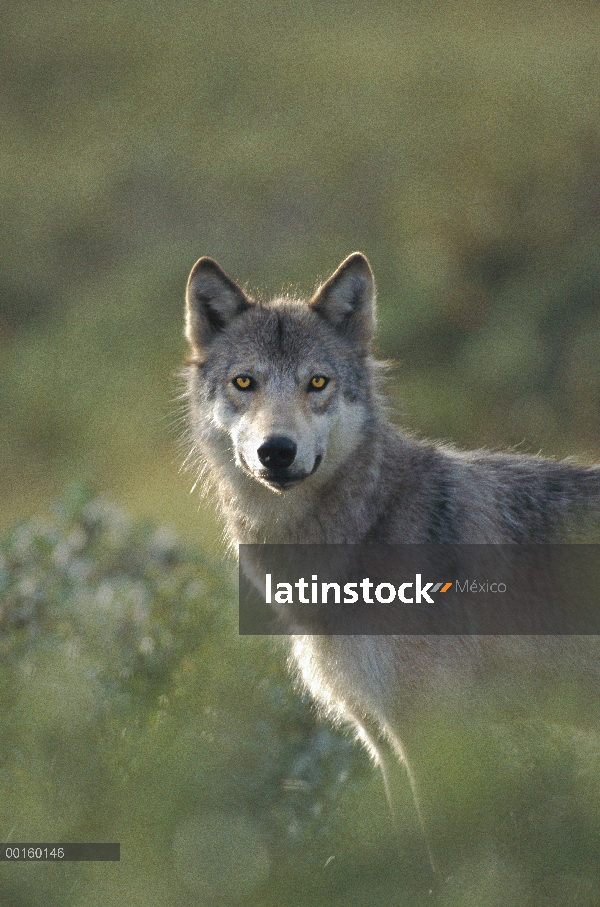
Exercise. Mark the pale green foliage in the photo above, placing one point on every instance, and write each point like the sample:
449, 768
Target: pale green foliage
132, 711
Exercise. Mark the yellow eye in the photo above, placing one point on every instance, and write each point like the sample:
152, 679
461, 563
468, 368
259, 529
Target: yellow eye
244, 382
318, 382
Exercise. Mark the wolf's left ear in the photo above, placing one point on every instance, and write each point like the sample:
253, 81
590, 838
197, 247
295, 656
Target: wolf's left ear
212, 300
347, 300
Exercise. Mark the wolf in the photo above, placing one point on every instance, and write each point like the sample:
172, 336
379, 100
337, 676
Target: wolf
287, 422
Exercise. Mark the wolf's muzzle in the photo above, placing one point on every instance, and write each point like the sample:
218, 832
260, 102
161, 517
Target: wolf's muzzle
277, 452
276, 456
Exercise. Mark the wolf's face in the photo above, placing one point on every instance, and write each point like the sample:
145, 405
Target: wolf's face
284, 383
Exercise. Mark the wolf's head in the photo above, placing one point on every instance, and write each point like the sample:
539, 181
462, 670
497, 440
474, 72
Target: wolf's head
281, 388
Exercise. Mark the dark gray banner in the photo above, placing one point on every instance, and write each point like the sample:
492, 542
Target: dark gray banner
419, 589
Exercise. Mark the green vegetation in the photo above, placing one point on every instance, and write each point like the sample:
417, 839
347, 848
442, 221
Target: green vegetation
458, 145
132, 711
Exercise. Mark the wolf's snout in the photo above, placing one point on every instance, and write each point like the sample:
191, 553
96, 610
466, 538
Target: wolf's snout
277, 452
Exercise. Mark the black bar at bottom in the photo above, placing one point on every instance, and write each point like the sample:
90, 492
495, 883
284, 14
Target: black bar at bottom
59, 853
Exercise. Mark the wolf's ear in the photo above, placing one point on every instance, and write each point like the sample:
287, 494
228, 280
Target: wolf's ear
347, 299
212, 300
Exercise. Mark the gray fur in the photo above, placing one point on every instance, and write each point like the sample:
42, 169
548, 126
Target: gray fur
372, 483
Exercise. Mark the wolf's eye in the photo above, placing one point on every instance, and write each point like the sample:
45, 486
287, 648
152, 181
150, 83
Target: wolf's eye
244, 382
318, 382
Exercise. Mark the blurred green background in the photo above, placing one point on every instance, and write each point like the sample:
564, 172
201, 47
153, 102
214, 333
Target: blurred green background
456, 143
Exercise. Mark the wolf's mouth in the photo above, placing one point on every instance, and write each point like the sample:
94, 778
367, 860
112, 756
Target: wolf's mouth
281, 479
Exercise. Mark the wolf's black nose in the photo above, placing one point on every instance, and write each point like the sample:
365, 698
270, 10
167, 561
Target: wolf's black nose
277, 452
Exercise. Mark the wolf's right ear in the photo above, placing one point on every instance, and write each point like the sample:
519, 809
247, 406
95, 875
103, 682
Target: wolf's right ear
347, 300
212, 300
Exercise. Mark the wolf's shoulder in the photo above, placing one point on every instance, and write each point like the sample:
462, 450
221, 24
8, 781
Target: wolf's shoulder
434, 493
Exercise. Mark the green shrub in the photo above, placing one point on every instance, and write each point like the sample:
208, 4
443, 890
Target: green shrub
132, 711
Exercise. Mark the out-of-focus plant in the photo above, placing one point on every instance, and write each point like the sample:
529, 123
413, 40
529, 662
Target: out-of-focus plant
132, 711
